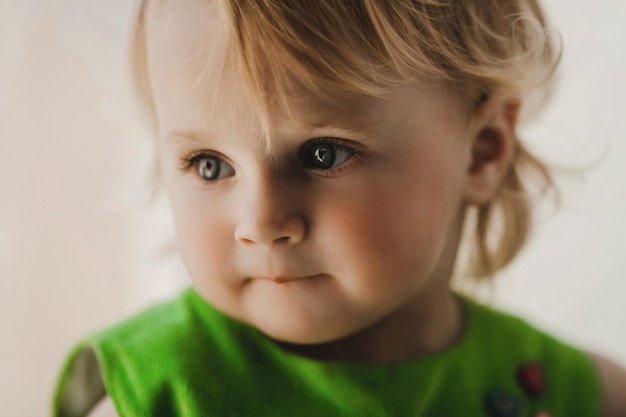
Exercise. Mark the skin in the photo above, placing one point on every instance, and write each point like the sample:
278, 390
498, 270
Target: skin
307, 255
333, 263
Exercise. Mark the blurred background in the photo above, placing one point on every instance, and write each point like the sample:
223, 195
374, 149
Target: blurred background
80, 247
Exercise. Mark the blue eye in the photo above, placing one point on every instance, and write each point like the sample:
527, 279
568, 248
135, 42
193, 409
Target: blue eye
324, 154
212, 168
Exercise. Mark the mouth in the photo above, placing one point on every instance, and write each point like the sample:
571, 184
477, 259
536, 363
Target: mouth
287, 279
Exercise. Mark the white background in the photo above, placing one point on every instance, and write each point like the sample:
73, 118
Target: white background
79, 249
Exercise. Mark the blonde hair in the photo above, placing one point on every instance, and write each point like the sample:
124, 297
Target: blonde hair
341, 48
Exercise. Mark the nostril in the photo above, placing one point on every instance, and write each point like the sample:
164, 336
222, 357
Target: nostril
267, 231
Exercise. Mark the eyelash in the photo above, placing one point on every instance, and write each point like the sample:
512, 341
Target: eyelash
192, 163
337, 144
189, 162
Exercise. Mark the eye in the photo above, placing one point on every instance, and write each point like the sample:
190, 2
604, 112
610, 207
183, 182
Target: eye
325, 154
211, 167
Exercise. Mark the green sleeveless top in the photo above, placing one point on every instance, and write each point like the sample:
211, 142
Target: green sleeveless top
184, 358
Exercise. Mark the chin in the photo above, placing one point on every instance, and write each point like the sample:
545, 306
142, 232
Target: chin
303, 334
296, 336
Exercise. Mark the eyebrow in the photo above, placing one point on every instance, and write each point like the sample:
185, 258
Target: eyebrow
190, 136
365, 129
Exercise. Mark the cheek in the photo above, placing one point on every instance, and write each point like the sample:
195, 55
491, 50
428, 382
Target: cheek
378, 231
392, 232
203, 231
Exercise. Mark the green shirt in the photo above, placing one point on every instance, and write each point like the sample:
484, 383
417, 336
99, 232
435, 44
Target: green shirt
184, 358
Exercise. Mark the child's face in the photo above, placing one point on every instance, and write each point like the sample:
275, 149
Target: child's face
354, 217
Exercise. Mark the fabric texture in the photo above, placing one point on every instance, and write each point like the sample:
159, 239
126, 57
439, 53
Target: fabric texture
184, 358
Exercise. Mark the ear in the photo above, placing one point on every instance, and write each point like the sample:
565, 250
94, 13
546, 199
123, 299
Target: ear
493, 145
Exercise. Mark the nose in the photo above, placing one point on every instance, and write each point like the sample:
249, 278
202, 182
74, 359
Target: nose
271, 214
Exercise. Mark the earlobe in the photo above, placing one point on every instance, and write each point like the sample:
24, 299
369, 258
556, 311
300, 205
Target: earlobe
492, 149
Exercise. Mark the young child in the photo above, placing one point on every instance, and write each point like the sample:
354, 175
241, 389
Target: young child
323, 160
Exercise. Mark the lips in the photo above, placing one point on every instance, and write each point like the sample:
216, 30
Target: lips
285, 279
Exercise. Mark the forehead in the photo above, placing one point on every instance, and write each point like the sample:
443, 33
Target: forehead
197, 82
186, 45
191, 65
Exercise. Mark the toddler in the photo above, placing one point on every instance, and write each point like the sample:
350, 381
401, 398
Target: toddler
324, 159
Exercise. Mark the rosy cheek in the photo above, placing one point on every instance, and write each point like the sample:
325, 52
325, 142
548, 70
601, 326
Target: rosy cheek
386, 227
356, 231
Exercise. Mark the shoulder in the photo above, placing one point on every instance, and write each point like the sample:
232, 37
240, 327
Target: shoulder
570, 378
131, 349
613, 379
502, 331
